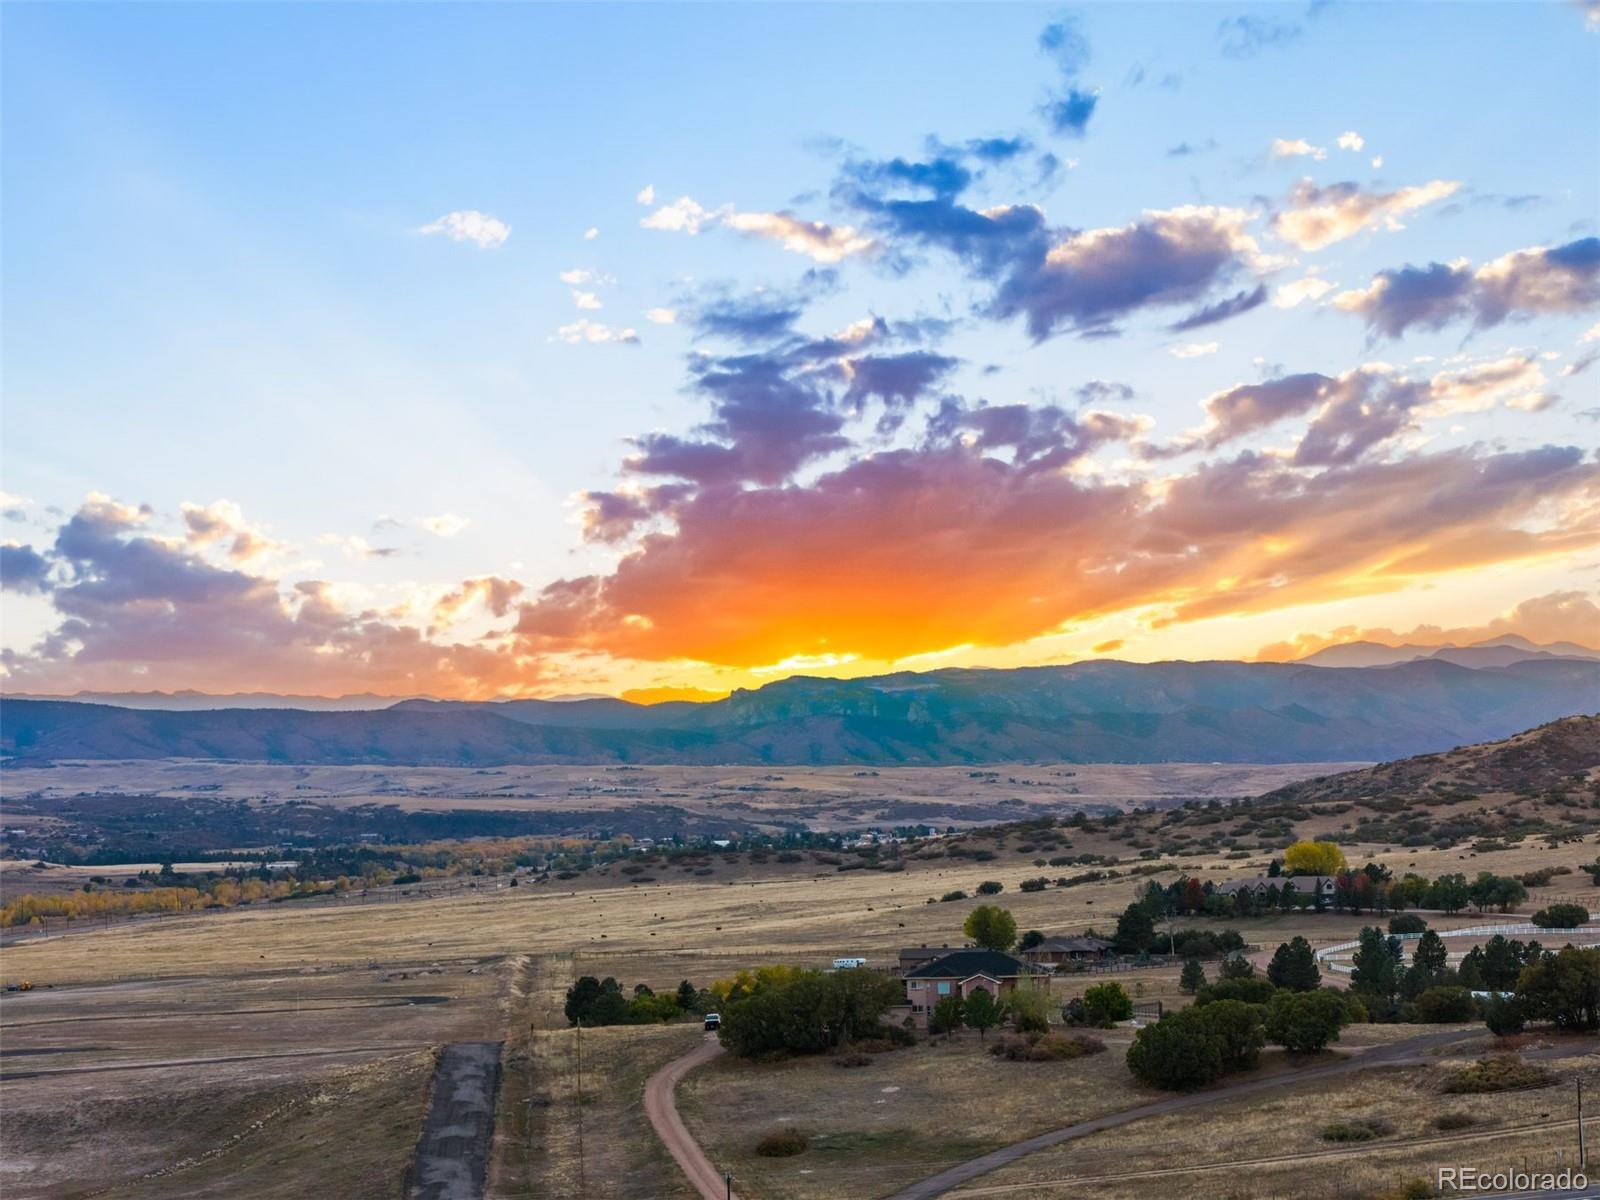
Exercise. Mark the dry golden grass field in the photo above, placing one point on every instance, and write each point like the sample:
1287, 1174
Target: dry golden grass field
280, 1049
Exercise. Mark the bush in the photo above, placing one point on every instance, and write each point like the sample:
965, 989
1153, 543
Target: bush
808, 1012
1105, 1004
1561, 916
1454, 1120
1305, 1022
1445, 1005
1254, 990
1362, 1130
1034, 885
785, 1143
991, 887
852, 1058
1504, 1016
1236, 1027
1407, 923
1178, 1052
1501, 1073
1029, 1009
1045, 1047
958, 894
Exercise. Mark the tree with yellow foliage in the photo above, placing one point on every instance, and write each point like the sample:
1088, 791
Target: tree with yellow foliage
1313, 858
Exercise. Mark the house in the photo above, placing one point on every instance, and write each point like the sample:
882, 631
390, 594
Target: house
960, 973
1060, 951
1304, 885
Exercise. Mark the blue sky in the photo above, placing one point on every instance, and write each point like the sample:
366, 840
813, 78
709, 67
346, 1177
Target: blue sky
217, 289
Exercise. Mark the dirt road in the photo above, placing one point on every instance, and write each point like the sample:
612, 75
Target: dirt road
661, 1106
452, 1160
1409, 1051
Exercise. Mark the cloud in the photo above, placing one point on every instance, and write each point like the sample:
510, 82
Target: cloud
586, 300
1246, 37
591, 233
1296, 148
1351, 140
1557, 617
138, 609
445, 525
1515, 286
1319, 216
23, 569
1222, 310
223, 523
584, 331
1087, 281
1075, 281
1068, 109
1363, 409
950, 544
1193, 349
661, 316
647, 195
1297, 291
469, 225
817, 240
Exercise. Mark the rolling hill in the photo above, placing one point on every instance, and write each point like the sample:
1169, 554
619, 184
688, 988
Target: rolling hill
1085, 712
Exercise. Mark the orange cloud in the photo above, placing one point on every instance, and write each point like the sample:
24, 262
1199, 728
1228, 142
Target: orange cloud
906, 551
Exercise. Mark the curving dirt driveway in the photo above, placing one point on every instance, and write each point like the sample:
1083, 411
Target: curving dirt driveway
661, 1106
1398, 1053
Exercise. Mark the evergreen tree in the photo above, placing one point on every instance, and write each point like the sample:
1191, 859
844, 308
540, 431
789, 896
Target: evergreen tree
1294, 966
1193, 977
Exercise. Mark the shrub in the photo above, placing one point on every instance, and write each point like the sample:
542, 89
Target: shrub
1561, 916
808, 1012
852, 1058
1045, 1047
1236, 1027
1305, 1022
1361, 1130
1034, 885
1444, 1005
1407, 923
1504, 1016
991, 887
784, 1143
1454, 1120
1501, 1073
1178, 1052
958, 894
1029, 1009
1105, 1004
1255, 990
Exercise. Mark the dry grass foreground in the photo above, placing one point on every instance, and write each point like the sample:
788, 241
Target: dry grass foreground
170, 980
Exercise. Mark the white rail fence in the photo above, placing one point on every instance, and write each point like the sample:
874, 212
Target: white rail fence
1326, 954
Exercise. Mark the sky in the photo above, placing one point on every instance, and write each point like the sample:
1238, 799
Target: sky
659, 350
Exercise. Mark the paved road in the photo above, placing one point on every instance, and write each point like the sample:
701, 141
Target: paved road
661, 1106
452, 1160
1409, 1051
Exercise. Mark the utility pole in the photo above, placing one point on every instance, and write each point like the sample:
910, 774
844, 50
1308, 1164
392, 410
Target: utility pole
727, 1182
1583, 1156
582, 1187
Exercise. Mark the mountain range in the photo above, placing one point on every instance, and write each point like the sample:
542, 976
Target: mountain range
1084, 712
1493, 652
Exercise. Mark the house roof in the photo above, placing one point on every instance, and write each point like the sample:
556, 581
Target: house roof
1302, 883
963, 964
1072, 945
